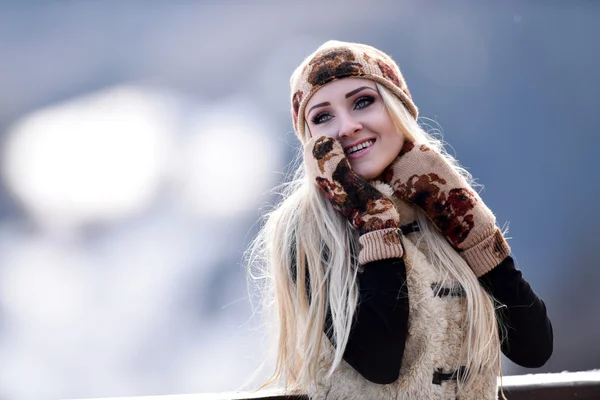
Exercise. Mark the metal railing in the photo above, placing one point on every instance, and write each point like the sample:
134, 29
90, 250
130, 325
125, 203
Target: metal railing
560, 386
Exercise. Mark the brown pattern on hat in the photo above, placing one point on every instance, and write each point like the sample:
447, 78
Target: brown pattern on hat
388, 72
337, 60
296, 100
332, 65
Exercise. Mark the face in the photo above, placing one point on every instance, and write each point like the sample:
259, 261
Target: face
352, 111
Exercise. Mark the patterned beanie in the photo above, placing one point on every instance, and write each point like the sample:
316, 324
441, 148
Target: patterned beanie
337, 60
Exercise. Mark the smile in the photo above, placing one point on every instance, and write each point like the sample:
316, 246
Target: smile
359, 148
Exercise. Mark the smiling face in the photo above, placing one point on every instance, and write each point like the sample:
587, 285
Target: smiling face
352, 111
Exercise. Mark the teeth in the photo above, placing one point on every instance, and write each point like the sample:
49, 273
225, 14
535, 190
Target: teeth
361, 146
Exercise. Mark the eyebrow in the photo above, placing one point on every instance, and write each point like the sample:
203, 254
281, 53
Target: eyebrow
318, 105
352, 93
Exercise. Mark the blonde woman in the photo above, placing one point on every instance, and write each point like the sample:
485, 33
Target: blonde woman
387, 274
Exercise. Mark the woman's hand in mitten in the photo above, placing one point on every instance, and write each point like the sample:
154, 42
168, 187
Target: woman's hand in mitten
423, 177
367, 209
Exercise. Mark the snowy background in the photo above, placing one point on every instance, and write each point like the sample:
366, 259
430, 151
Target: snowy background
139, 139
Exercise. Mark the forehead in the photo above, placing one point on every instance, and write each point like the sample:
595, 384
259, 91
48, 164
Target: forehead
338, 89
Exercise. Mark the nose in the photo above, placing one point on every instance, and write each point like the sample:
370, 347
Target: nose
349, 125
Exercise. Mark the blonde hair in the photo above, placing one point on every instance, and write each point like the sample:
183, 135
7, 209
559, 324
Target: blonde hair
305, 236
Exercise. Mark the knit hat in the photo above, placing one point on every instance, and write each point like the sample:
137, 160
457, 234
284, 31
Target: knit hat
337, 60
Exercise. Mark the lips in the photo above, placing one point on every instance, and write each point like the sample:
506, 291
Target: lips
359, 147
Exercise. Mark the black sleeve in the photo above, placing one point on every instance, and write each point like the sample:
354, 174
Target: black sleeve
529, 337
376, 343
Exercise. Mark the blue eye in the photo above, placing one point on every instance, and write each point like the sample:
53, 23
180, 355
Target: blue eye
364, 102
320, 118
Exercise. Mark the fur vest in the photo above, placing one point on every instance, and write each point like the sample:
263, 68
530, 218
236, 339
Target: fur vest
432, 349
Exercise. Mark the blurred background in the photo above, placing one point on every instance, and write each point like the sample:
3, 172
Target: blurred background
139, 140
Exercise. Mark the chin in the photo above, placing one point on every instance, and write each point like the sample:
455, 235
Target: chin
368, 170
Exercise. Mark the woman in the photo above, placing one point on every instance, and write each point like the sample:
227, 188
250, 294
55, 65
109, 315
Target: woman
389, 276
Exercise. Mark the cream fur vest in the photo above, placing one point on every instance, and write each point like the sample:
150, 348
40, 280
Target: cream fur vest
432, 348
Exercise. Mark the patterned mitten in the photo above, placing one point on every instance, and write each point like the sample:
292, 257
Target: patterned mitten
367, 209
421, 176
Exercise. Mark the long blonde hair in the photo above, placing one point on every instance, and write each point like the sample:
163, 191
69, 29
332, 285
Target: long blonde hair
304, 236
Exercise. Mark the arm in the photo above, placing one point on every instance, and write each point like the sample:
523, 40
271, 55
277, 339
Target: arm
529, 337
376, 343
423, 177
376, 340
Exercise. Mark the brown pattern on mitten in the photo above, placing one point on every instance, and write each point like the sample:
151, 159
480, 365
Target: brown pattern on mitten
367, 209
422, 176
450, 211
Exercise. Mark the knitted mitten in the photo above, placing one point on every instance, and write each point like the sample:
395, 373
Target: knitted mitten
423, 177
367, 209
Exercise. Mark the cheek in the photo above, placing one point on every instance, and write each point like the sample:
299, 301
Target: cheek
318, 130
394, 144
399, 142
393, 137
396, 136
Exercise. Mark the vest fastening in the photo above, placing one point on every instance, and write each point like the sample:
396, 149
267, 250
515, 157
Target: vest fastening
435, 333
